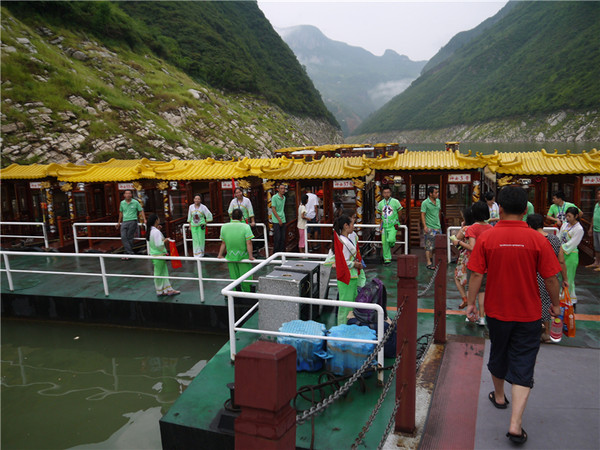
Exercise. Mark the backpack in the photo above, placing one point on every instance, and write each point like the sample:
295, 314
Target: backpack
373, 292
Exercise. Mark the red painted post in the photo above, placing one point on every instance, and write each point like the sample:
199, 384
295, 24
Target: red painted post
406, 341
441, 257
265, 383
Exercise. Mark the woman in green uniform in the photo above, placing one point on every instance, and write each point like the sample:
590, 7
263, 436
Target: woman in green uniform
156, 240
198, 215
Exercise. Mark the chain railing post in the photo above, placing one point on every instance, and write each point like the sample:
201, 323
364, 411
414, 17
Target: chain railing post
265, 384
439, 314
406, 342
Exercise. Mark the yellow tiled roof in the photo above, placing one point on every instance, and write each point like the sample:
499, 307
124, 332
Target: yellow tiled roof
115, 170
28, 172
542, 162
432, 160
526, 163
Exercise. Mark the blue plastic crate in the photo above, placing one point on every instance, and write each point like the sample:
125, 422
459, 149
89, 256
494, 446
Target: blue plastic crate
347, 357
305, 348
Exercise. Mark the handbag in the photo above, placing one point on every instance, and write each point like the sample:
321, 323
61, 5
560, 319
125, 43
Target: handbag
566, 306
175, 263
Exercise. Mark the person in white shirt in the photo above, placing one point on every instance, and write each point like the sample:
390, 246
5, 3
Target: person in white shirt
493, 207
156, 242
302, 219
244, 204
312, 212
571, 233
198, 216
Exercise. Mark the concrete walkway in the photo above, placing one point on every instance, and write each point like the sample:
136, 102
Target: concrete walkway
563, 411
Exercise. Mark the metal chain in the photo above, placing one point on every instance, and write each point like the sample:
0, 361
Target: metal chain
377, 407
430, 341
431, 281
321, 406
392, 420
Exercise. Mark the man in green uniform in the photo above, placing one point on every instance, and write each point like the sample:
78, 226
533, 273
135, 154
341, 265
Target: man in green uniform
128, 220
558, 209
390, 210
594, 232
430, 218
278, 211
529, 212
236, 237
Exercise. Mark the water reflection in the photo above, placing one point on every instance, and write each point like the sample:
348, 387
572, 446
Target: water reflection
72, 385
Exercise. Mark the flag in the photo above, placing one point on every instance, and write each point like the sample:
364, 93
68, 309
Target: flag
341, 267
358, 256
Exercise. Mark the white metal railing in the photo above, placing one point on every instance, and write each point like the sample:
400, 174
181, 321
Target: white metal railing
235, 326
403, 242
97, 238
552, 230
186, 226
43, 236
104, 275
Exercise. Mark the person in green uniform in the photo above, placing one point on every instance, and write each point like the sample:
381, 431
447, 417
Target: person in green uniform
344, 226
390, 210
236, 237
529, 212
129, 209
430, 218
594, 233
558, 209
156, 241
198, 216
278, 211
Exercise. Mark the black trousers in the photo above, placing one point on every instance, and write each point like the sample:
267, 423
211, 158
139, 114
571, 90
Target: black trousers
278, 237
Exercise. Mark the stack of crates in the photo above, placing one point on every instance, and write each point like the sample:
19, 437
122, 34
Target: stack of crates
306, 348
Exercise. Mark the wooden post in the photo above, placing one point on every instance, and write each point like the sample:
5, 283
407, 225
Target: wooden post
265, 384
439, 314
406, 341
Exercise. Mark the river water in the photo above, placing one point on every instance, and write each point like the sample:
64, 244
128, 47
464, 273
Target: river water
92, 387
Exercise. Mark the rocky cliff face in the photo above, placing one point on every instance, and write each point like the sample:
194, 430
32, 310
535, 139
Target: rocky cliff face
69, 98
561, 126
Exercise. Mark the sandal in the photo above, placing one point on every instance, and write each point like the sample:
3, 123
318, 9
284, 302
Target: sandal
463, 305
492, 397
171, 293
517, 438
430, 266
545, 339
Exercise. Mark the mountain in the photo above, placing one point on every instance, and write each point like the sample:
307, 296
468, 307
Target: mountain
93, 80
537, 60
464, 37
352, 81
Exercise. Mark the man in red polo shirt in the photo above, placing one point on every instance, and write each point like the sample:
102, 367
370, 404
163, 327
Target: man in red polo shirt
512, 254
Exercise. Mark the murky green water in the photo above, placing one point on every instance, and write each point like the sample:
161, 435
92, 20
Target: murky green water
84, 386
485, 148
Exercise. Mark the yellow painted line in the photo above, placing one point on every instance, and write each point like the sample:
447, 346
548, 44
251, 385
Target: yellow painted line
454, 312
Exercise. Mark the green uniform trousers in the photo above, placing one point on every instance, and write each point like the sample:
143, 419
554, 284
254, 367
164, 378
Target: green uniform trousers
237, 269
572, 261
162, 285
347, 294
198, 240
388, 240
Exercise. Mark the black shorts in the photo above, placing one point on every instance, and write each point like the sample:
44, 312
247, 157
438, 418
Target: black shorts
514, 348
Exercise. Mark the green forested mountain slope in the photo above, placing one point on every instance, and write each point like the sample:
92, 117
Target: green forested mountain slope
229, 45
89, 93
353, 81
539, 58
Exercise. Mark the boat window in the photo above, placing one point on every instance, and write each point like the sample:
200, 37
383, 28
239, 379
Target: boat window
80, 203
178, 204
458, 198
60, 204
588, 200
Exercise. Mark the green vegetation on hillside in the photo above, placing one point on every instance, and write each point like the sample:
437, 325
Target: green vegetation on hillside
229, 45
541, 57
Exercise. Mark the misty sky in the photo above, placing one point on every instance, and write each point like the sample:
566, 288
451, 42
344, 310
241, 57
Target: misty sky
415, 29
